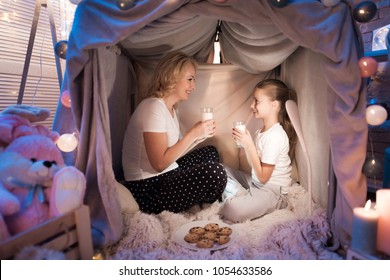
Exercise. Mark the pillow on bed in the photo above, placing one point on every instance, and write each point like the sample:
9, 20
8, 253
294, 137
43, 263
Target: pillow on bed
126, 200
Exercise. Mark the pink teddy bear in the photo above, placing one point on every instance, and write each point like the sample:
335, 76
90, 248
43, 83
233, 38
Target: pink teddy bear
35, 184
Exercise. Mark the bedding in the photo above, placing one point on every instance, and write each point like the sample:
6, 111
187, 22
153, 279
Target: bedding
288, 233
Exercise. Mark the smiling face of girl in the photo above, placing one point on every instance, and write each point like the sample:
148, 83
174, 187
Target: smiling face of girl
262, 105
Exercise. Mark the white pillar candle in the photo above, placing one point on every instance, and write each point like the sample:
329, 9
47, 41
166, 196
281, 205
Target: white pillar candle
364, 229
207, 113
383, 209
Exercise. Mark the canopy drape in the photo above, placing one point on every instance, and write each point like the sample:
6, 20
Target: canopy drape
315, 49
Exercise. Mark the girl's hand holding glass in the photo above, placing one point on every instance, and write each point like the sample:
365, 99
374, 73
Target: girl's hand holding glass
240, 135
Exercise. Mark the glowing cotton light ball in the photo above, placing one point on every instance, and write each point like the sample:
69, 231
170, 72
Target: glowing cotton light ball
365, 11
65, 98
372, 168
330, 3
375, 114
278, 3
125, 4
368, 66
67, 142
61, 48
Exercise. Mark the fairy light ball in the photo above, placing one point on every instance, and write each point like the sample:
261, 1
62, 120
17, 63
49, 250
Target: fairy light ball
61, 48
365, 11
65, 98
368, 66
279, 3
125, 4
372, 168
67, 142
375, 115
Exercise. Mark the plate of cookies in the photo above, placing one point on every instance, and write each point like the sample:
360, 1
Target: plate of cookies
205, 235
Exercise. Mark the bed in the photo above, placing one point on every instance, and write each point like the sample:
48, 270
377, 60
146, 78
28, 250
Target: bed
313, 48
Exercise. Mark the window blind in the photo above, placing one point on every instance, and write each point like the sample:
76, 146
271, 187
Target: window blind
42, 86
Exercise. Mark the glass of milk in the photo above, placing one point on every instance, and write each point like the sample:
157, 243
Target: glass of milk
207, 113
241, 126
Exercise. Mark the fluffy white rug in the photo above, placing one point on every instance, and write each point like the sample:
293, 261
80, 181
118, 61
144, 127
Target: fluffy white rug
284, 234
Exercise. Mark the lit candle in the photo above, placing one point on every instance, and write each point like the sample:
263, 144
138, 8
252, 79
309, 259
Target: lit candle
383, 208
364, 229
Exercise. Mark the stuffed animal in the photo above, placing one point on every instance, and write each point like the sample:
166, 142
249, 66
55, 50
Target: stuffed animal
35, 184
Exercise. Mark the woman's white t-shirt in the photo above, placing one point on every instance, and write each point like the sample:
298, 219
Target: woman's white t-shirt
151, 115
272, 147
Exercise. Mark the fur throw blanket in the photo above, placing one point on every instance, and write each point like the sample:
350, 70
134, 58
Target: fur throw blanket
284, 234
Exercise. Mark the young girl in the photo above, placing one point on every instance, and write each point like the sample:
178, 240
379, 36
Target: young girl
268, 155
158, 171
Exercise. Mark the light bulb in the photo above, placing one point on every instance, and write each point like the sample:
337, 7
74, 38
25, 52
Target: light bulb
375, 114
65, 98
67, 142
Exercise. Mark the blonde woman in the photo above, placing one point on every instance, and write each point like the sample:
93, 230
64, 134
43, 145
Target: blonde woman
157, 170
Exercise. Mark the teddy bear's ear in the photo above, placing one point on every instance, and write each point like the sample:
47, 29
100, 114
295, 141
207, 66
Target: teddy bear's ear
31, 113
15, 121
8, 123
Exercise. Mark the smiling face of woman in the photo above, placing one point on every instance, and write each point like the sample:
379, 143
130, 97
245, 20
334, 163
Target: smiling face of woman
186, 82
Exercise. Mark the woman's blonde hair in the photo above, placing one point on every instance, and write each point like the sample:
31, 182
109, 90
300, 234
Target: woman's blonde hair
277, 90
167, 73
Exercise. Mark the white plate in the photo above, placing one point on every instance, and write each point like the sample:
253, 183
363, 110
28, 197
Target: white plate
184, 229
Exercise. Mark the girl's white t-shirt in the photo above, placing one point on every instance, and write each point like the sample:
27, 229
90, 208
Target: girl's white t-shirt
151, 115
272, 147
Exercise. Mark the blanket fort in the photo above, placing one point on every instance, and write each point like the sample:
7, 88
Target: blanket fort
112, 52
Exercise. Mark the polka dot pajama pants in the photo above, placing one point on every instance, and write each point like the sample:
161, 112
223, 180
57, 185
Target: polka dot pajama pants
198, 179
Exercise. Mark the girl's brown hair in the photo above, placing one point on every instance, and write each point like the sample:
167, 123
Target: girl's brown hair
279, 91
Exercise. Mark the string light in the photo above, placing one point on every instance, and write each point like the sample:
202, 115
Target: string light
125, 4
368, 66
67, 142
40, 68
65, 99
365, 11
376, 114
372, 168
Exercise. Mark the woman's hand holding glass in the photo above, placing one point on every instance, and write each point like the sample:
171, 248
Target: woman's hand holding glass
203, 130
208, 128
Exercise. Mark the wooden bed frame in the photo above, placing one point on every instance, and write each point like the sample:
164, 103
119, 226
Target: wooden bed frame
69, 233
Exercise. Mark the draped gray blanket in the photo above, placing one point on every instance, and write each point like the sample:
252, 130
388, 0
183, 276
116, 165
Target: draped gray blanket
313, 48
